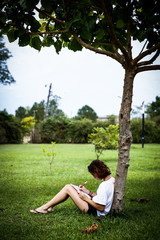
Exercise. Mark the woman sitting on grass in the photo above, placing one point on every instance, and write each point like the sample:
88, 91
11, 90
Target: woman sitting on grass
95, 203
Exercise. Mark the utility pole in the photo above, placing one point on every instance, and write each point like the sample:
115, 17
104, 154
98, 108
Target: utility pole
143, 124
49, 94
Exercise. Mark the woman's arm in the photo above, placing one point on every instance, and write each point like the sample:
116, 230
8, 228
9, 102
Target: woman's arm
92, 203
83, 189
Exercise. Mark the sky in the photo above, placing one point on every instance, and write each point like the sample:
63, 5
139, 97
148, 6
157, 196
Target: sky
81, 78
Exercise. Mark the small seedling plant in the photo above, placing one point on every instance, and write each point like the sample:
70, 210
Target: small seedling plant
50, 153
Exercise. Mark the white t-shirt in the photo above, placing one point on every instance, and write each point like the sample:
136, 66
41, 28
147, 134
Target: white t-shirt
104, 196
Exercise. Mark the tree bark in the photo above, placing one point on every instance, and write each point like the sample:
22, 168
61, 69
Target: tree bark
124, 141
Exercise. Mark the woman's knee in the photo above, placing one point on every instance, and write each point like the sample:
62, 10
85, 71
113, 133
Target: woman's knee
67, 187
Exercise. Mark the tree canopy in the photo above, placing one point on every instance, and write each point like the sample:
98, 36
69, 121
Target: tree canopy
87, 112
153, 109
104, 26
38, 110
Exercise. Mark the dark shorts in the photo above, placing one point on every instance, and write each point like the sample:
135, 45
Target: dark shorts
92, 210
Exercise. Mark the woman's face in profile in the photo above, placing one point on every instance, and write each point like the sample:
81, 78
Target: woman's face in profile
96, 176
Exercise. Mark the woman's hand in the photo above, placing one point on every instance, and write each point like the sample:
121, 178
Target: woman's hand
83, 189
82, 196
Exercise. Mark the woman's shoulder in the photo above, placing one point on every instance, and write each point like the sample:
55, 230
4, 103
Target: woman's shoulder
109, 181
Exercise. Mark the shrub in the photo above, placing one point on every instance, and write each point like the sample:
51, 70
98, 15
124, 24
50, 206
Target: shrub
54, 130
150, 131
79, 129
10, 129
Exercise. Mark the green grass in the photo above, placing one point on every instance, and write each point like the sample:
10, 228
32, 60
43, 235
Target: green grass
25, 183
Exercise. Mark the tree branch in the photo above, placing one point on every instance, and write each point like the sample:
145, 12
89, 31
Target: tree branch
143, 46
51, 17
105, 44
147, 52
112, 33
48, 32
149, 61
129, 32
148, 68
97, 50
99, 43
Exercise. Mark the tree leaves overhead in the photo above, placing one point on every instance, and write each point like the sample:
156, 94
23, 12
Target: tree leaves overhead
74, 45
36, 43
97, 25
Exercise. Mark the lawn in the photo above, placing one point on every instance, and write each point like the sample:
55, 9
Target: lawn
25, 183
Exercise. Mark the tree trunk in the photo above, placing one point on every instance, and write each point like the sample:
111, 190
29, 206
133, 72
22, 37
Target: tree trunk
49, 94
124, 141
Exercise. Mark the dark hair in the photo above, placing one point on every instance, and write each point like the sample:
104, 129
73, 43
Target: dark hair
100, 168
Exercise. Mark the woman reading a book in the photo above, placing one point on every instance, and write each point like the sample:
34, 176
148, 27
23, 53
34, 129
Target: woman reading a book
98, 203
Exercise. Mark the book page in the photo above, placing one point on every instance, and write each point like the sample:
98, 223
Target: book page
77, 188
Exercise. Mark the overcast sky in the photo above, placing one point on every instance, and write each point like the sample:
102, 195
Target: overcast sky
81, 78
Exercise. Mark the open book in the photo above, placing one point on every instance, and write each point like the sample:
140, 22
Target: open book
77, 188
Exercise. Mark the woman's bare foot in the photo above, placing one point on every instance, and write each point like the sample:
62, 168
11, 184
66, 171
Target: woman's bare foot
38, 210
50, 209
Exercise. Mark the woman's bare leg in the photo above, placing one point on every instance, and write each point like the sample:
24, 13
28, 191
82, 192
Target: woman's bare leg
67, 191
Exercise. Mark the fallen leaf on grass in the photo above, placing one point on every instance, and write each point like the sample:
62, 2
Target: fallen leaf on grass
141, 200
91, 229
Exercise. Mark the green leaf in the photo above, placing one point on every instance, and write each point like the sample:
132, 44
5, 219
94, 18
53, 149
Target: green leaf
49, 154
58, 46
120, 23
69, 24
22, 3
24, 40
5, 30
90, 23
142, 35
28, 4
99, 34
31, 4
43, 149
47, 5
35, 25
36, 43
75, 46
12, 35
86, 35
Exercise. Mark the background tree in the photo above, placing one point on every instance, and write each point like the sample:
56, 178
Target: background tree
10, 128
153, 110
112, 119
53, 108
151, 131
38, 111
27, 124
21, 113
105, 27
87, 112
137, 111
5, 75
